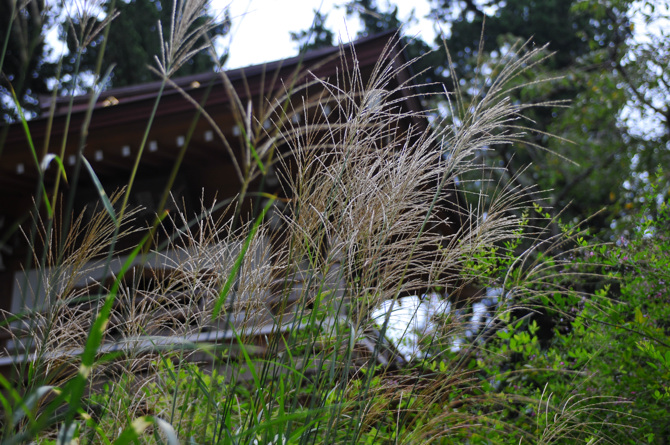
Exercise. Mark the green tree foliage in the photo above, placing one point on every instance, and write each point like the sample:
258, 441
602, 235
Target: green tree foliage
621, 344
134, 41
595, 65
580, 39
640, 69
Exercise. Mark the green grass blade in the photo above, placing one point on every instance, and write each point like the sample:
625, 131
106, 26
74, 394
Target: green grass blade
6, 404
145, 137
68, 435
101, 191
247, 359
76, 387
24, 122
46, 160
238, 262
256, 157
279, 420
254, 153
91, 423
29, 403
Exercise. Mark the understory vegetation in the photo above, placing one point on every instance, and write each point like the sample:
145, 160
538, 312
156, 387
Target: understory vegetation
259, 335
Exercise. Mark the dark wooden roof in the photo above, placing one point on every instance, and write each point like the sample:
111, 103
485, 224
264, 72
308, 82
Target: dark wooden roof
367, 51
120, 115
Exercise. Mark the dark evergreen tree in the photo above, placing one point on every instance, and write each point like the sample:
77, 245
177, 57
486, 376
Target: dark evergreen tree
373, 19
317, 36
134, 41
23, 61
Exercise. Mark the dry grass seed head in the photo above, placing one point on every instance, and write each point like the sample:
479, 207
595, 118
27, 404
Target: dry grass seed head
182, 42
371, 202
61, 303
82, 18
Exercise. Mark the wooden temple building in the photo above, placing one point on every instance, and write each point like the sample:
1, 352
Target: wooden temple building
115, 123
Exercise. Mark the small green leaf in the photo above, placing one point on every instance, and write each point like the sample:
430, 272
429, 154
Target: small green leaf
504, 335
639, 317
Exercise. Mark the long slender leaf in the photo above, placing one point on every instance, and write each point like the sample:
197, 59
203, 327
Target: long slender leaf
46, 161
24, 122
270, 423
254, 153
238, 262
76, 387
29, 403
101, 191
247, 359
68, 434
7, 405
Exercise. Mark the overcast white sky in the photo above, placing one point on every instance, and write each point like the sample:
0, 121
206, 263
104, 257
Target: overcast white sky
260, 31
261, 28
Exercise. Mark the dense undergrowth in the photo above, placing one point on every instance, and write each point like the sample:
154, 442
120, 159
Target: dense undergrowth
576, 351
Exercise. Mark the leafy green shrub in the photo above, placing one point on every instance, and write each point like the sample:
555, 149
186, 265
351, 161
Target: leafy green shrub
627, 337
607, 358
